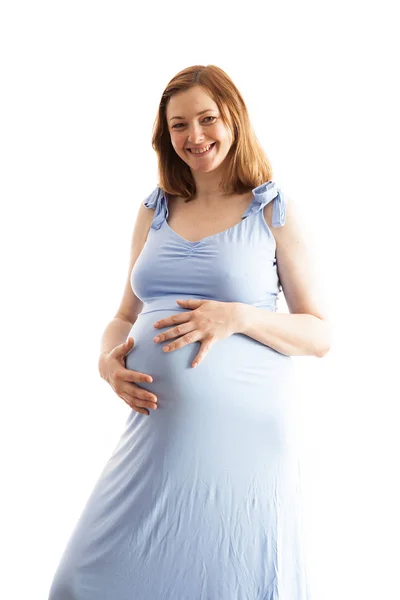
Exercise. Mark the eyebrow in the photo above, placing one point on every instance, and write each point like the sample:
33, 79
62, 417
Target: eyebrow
197, 114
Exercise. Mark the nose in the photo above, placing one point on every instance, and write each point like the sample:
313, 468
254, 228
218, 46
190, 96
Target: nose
196, 135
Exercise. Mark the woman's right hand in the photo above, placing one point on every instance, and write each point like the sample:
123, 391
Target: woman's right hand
122, 380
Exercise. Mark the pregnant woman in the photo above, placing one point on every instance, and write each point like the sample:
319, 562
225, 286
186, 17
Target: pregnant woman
200, 499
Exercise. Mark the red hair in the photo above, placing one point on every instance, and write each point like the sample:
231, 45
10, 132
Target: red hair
248, 165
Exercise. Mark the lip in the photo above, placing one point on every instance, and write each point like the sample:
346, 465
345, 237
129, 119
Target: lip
203, 153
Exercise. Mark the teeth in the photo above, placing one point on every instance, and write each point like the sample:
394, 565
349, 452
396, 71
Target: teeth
201, 151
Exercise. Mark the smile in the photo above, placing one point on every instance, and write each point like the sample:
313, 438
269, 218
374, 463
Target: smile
202, 152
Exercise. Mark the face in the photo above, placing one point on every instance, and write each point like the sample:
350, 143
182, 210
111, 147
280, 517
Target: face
191, 132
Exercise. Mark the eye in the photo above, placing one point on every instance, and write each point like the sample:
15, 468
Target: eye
209, 117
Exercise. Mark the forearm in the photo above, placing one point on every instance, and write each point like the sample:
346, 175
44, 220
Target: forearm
114, 334
290, 334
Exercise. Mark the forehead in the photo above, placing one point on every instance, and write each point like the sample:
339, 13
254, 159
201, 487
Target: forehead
189, 102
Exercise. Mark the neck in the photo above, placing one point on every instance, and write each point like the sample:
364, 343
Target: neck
208, 185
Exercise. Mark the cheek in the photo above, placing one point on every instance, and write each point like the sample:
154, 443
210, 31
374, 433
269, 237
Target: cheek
175, 146
224, 135
177, 142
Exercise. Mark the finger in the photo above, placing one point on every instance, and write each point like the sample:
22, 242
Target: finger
136, 408
173, 320
143, 394
129, 375
136, 392
189, 338
124, 348
191, 302
204, 349
144, 403
138, 402
174, 332
126, 375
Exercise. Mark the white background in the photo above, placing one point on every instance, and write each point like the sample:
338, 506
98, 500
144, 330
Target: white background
81, 82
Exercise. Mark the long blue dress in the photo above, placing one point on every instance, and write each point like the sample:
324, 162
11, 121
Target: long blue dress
201, 499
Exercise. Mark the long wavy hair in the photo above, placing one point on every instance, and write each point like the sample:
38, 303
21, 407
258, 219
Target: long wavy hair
248, 165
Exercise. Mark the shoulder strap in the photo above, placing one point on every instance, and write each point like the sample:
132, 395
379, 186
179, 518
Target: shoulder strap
263, 194
157, 201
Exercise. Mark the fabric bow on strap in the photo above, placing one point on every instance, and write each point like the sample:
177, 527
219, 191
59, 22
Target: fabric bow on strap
157, 200
263, 194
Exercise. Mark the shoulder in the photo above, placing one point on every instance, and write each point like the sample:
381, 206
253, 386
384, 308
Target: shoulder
290, 238
281, 215
289, 222
157, 201
144, 218
297, 266
154, 199
292, 234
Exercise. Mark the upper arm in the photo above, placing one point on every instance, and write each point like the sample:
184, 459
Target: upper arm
296, 267
130, 305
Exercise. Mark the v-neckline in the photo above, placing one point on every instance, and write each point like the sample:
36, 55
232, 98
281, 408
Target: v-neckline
207, 237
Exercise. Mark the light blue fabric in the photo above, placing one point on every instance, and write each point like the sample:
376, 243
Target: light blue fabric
200, 500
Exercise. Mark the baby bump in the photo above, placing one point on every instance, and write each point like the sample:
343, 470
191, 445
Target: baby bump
238, 370
240, 396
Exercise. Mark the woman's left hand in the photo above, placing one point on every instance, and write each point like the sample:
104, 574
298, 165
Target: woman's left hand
208, 322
